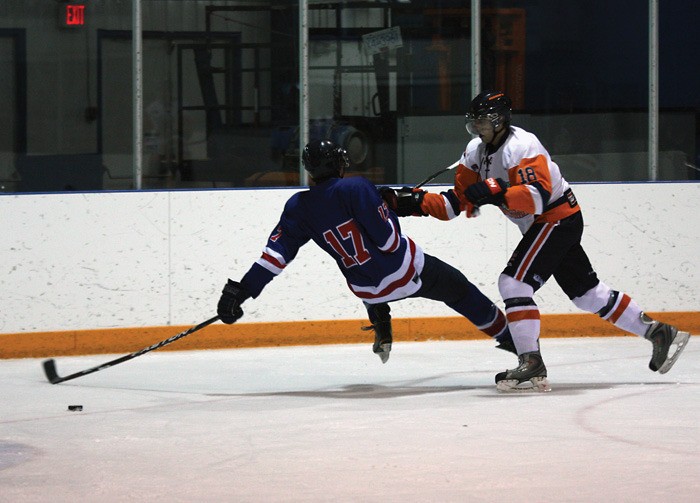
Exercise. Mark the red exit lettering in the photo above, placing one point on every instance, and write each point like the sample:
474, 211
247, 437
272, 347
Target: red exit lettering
75, 15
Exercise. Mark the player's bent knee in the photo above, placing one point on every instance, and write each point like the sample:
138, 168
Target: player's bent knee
512, 288
594, 299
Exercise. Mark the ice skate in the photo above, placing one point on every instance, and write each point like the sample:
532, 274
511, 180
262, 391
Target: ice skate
663, 337
530, 375
382, 339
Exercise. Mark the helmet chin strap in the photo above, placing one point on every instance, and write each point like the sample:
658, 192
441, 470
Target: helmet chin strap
498, 135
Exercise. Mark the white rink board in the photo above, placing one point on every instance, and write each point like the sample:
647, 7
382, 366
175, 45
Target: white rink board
127, 259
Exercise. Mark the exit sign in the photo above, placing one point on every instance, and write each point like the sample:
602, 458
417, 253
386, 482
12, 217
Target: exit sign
72, 15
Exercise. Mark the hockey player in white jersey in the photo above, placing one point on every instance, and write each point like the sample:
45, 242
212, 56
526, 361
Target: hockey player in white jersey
347, 218
508, 167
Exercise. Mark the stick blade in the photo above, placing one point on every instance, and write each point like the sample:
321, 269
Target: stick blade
50, 371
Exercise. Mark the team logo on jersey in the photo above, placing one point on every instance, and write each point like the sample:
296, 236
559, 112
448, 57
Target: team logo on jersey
277, 234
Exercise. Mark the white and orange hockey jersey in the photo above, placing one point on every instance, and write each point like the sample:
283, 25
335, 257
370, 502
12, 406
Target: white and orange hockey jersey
537, 191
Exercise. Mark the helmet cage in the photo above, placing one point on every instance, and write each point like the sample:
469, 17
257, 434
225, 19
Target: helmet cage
473, 121
488, 108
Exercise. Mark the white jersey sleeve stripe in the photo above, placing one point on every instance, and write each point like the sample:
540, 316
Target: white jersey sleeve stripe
448, 207
392, 244
536, 199
272, 261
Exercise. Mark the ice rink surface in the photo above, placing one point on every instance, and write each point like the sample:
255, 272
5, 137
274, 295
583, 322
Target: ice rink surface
331, 423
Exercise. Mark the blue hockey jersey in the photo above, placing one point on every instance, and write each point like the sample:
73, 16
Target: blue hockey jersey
348, 219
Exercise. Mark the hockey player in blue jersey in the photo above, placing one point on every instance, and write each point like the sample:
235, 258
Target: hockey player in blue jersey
350, 221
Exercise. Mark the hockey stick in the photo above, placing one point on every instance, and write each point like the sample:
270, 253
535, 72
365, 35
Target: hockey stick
436, 174
54, 378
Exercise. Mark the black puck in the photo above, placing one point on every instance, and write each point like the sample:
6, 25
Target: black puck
75, 408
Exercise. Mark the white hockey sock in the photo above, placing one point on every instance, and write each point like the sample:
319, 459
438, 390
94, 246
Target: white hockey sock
626, 314
524, 321
525, 335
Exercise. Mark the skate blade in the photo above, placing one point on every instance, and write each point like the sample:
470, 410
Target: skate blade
680, 341
384, 353
534, 385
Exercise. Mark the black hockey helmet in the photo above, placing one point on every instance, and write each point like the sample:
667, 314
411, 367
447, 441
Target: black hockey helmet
493, 106
324, 159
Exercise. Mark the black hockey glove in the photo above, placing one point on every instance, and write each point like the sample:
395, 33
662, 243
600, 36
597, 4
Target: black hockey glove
408, 202
404, 201
389, 196
229, 307
490, 191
